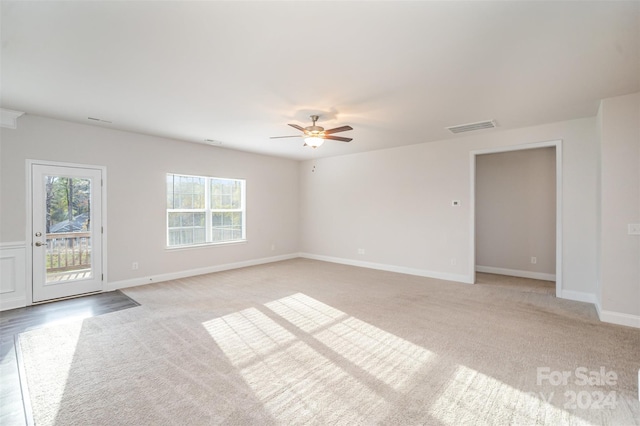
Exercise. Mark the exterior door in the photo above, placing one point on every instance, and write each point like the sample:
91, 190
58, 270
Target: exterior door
66, 231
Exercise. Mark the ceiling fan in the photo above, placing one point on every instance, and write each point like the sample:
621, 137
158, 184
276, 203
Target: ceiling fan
314, 136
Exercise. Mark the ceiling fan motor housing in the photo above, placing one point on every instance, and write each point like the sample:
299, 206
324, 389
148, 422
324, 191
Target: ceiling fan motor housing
315, 130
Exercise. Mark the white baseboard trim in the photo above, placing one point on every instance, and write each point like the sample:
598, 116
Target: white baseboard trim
579, 296
618, 317
116, 285
391, 268
516, 273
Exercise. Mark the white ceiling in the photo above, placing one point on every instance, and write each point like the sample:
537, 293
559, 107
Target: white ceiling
238, 72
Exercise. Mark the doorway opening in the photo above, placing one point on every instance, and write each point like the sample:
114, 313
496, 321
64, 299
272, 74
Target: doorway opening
527, 239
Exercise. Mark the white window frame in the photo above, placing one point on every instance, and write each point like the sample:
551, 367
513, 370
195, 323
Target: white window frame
208, 211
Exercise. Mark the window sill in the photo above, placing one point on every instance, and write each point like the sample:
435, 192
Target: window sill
197, 246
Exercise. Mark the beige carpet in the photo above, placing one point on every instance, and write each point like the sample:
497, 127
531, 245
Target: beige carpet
308, 342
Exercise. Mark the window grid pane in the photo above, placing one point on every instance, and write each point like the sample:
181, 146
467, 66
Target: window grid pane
227, 226
185, 192
186, 228
226, 194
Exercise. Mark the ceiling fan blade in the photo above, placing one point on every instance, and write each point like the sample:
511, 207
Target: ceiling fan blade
295, 126
280, 137
338, 138
338, 129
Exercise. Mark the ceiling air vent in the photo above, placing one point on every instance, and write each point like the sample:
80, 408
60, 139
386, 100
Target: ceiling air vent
472, 126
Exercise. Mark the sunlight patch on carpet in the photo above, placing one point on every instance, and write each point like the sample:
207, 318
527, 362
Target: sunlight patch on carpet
386, 357
291, 379
248, 335
306, 313
381, 354
472, 397
295, 381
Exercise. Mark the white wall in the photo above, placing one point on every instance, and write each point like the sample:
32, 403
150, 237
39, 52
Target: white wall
516, 212
620, 206
136, 193
396, 204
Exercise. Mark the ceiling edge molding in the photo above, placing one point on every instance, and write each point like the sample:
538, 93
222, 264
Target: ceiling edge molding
9, 118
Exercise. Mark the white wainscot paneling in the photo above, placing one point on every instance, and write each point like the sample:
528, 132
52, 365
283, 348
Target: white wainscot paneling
12, 276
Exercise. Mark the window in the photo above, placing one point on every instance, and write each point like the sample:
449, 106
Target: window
204, 210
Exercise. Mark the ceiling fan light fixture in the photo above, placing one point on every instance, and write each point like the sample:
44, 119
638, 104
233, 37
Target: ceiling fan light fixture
313, 141
314, 136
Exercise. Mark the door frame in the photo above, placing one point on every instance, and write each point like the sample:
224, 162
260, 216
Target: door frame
29, 222
557, 144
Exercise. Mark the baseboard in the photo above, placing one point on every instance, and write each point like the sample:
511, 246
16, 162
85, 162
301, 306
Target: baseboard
516, 273
618, 317
579, 296
610, 317
116, 285
391, 268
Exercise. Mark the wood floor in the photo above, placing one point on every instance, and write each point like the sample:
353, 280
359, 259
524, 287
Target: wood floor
16, 321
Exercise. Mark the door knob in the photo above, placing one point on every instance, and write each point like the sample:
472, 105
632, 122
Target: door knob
39, 243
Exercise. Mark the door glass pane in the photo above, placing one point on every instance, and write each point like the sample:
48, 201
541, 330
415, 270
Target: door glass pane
68, 228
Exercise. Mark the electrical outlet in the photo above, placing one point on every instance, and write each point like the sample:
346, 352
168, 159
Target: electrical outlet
134, 266
453, 261
634, 229
534, 260
360, 251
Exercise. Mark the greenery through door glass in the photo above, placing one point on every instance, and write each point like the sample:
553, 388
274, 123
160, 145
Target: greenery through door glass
68, 226
68, 204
